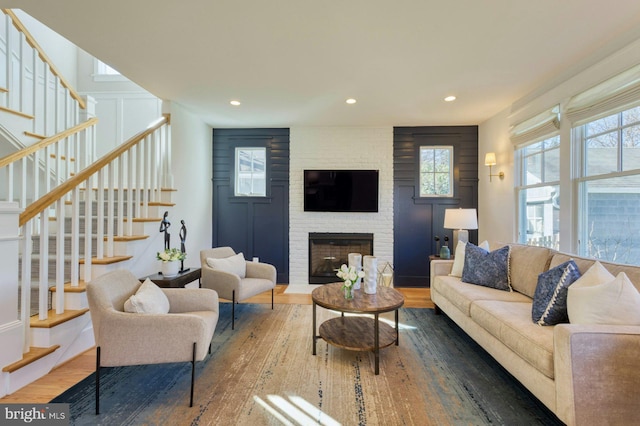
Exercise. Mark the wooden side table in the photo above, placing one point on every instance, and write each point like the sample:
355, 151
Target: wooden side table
178, 281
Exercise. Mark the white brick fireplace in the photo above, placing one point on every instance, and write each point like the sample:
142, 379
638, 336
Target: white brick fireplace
339, 148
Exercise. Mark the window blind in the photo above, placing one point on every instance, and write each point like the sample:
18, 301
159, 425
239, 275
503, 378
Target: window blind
608, 97
541, 125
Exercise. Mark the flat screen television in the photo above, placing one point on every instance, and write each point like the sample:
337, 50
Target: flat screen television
341, 190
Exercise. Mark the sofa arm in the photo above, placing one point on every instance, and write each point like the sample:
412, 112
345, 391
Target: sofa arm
597, 371
223, 283
439, 267
191, 299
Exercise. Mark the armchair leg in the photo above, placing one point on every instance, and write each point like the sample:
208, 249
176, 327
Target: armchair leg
233, 309
97, 380
193, 373
271, 299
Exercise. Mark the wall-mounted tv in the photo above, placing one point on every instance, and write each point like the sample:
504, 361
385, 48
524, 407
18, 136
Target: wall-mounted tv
341, 190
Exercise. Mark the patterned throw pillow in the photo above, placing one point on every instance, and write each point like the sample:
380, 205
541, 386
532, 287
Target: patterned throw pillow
488, 269
550, 299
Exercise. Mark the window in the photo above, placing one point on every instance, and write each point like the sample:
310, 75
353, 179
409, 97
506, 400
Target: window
250, 175
103, 72
538, 194
436, 171
609, 186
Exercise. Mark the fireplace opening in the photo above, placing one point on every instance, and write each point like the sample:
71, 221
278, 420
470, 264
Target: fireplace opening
327, 251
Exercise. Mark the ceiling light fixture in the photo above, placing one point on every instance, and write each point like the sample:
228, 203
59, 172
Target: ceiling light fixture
450, 98
351, 101
235, 103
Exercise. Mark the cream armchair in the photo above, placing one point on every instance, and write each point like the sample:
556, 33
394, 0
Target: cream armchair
122, 338
234, 278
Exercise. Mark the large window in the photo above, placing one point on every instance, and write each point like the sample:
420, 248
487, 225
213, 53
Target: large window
250, 175
538, 194
609, 186
436, 171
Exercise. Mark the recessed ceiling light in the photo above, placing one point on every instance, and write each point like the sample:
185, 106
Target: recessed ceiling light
235, 103
450, 98
351, 101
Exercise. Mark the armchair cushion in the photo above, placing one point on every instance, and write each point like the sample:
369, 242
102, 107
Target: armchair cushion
149, 299
235, 264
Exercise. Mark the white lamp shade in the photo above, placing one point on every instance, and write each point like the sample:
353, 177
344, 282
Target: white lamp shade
490, 159
460, 219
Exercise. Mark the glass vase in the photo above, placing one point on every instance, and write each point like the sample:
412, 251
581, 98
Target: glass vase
348, 293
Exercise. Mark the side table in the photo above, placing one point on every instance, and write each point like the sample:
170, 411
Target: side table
180, 280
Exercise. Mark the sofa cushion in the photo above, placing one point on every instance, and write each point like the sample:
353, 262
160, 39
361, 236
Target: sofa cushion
511, 324
525, 264
489, 269
461, 295
235, 264
550, 299
632, 271
613, 302
148, 299
458, 261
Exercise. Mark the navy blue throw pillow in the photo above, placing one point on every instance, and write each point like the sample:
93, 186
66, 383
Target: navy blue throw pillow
488, 269
550, 298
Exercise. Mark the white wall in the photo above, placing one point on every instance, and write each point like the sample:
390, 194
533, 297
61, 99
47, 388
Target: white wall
192, 171
496, 203
339, 148
497, 200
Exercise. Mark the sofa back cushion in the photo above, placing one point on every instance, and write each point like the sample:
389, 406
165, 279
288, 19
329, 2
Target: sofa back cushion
632, 272
525, 264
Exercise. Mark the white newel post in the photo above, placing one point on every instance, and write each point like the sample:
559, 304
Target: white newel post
11, 329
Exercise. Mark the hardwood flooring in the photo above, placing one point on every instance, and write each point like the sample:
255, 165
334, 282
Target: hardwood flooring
73, 371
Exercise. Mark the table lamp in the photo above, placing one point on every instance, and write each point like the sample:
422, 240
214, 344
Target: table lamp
460, 220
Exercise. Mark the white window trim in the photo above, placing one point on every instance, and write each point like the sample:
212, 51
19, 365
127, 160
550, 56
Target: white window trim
451, 167
237, 173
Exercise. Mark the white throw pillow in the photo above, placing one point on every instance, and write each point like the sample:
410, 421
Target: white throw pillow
235, 264
616, 302
149, 299
458, 260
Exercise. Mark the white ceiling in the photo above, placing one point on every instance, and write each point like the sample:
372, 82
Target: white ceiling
295, 62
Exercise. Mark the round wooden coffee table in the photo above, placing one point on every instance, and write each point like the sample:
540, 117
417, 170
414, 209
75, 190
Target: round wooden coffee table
357, 333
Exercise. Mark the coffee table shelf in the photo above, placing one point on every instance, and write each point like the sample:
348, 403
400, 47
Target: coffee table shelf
356, 333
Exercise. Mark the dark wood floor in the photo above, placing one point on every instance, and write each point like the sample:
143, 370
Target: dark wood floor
73, 371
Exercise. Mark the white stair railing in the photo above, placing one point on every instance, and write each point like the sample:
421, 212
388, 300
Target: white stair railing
35, 170
141, 162
31, 84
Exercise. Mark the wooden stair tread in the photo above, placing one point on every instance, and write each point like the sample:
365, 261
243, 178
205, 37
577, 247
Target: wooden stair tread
160, 203
14, 112
54, 319
107, 260
68, 288
33, 355
145, 219
126, 238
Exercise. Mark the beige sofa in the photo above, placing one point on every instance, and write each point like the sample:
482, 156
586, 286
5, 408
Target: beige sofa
585, 374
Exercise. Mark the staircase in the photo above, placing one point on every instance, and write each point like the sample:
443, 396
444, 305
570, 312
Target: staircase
65, 216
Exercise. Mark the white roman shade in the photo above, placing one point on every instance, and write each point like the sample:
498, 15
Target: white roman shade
537, 127
610, 96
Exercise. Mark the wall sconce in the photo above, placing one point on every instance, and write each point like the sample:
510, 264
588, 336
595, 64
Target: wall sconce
490, 160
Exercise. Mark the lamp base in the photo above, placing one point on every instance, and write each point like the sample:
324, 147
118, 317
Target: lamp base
459, 235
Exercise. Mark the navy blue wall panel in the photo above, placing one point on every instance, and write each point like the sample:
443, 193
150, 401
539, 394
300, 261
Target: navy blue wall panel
418, 220
255, 226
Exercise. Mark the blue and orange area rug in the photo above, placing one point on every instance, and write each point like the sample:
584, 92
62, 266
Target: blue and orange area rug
264, 373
